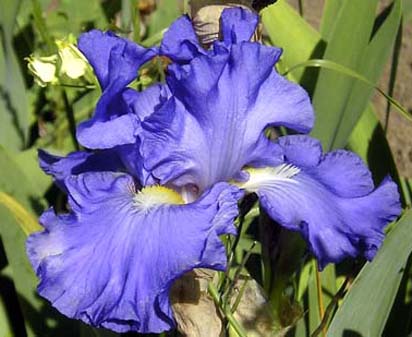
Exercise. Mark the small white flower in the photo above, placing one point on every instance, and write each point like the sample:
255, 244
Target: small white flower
43, 69
73, 63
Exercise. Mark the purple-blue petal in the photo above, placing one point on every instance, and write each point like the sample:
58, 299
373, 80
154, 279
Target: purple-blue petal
145, 102
333, 203
180, 42
214, 124
341, 171
238, 24
79, 162
116, 62
111, 264
114, 59
301, 151
120, 130
124, 114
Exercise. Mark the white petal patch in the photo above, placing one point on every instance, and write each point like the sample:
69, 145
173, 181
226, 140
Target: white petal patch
268, 177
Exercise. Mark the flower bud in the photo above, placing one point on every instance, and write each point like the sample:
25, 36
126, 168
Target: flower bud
43, 69
73, 63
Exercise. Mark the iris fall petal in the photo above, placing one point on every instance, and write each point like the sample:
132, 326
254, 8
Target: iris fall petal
112, 260
330, 199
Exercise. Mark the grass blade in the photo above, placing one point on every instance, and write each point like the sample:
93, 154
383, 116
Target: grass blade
27, 221
371, 67
17, 192
346, 46
14, 113
330, 65
369, 142
331, 10
284, 25
366, 307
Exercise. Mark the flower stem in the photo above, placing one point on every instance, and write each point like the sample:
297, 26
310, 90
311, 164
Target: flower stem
320, 296
226, 311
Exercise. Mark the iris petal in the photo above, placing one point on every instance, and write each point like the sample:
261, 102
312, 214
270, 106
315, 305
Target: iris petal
180, 42
111, 262
124, 158
78, 162
329, 199
214, 123
116, 62
306, 152
238, 24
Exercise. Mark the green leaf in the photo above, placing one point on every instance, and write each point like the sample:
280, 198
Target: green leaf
73, 17
407, 10
369, 142
88, 331
28, 223
330, 13
40, 318
328, 285
284, 25
366, 307
14, 182
346, 46
29, 165
14, 112
6, 328
165, 14
330, 65
313, 303
371, 67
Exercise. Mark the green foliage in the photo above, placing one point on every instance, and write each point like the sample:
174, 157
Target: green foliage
163, 17
14, 114
341, 103
350, 44
40, 318
374, 290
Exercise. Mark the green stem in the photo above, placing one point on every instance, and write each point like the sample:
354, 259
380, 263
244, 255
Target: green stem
70, 118
239, 296
134, 4
394, 72
126, 16
40, 24
301, 8
154, 39
319, 292
226, 311
406, 191
86, 86
228, 292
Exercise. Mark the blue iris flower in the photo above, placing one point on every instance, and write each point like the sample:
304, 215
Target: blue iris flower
169, 164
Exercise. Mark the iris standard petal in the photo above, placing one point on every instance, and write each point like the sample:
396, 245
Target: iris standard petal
180, 42
238, 24
114, 59
144, 103
126, 111
214, 123
116, 62
329, 199
112, 260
